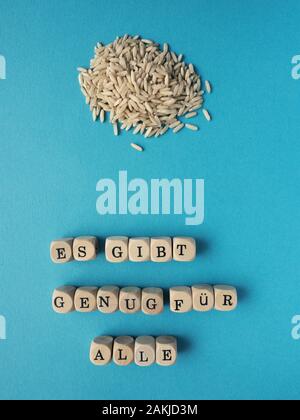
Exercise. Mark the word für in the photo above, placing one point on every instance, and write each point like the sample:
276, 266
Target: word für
130, 300
119, 249
144, 351
159, 196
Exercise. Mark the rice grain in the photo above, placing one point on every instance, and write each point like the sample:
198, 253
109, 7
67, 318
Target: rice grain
207, 115
208, 86
116, 129
178, 128
142, 86
137, 147
192, 127
191, 115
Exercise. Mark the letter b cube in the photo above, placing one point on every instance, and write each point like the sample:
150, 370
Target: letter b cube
161, 249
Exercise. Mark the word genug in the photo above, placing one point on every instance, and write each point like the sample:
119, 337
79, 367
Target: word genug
2, 68
130, 300
119, 249
144, 351
159, 197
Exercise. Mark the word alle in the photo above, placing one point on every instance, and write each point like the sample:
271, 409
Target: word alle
144, 351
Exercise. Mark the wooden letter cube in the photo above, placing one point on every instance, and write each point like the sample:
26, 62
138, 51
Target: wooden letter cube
181, 299
139, 249
61, 250
184, 249
108, 299
130, 300
226, 298
145, 351
161, 249
116, 249
85, 248
86, 299
63, 299
123, 351
152, 301
203, 298
166, 350
101, 350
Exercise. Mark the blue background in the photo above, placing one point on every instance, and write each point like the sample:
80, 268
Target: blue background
52, 156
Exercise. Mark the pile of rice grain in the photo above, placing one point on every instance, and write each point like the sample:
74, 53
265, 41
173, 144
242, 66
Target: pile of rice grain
142, 86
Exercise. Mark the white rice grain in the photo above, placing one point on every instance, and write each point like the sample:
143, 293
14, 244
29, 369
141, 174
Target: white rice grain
116, 129
102, 116
192, 127
178, 128
208, 86
207, 115
175, 124
191, 115
141, 86
137, 147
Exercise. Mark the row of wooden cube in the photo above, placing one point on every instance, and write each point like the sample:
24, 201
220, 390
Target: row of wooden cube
144, 351
129, 300
119, 249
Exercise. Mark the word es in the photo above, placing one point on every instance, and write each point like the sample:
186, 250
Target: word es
130, 300
2, 68
159, 197
144, 351
2, 328
119, 249
296, 328
296, 67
